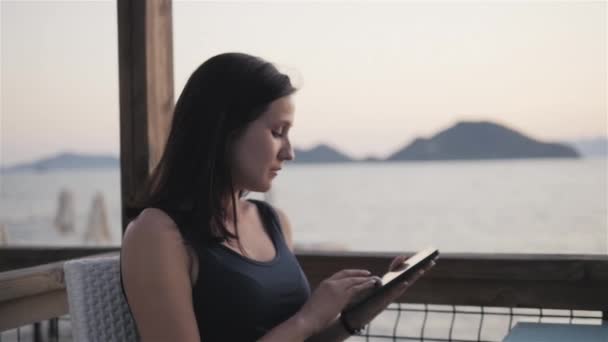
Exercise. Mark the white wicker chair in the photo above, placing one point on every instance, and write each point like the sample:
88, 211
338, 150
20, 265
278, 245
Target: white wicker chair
98, 308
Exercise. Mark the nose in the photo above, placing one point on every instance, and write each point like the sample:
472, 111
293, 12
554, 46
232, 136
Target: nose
287, 152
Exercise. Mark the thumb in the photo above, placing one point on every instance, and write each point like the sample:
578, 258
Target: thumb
397, 263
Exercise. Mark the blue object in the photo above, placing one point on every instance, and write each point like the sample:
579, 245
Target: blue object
552, 332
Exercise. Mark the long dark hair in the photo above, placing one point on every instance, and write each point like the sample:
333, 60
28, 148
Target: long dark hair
194, 176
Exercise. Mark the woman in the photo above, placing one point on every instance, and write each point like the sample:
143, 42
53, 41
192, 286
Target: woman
200, 262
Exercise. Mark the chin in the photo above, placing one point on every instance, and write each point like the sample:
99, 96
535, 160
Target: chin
261, 187
266, 188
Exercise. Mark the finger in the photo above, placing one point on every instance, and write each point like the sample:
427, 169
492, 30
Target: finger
353, 281
430, 265
421, 272
416, 276
397, 262
362, 289
350, 273
412, 278
399, 267
393, 294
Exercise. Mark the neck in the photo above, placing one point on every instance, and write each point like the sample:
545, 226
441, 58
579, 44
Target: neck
228, 206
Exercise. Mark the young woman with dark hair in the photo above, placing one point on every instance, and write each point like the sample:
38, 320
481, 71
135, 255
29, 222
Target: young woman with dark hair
202, 263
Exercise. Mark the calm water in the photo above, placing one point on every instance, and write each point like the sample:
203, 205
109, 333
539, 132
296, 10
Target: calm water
520, 206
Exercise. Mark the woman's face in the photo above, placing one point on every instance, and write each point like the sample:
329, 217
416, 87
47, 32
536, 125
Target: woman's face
260, 151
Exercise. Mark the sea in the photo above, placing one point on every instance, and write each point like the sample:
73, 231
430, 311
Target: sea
548, 206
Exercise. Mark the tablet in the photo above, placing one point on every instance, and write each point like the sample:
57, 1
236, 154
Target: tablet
410, 267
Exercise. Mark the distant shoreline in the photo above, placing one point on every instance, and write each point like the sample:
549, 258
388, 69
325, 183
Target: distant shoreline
315, 164
464, 141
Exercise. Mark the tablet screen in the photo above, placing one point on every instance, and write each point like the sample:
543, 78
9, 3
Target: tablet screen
411, 265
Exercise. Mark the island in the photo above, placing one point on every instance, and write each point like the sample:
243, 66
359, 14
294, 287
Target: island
321, 154
66, 161
468, 140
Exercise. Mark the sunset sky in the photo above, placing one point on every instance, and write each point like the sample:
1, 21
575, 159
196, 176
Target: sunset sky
373, 76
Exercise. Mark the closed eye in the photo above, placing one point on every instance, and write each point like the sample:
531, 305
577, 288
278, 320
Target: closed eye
279, 132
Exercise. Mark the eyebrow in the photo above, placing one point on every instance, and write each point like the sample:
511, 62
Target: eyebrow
286, 123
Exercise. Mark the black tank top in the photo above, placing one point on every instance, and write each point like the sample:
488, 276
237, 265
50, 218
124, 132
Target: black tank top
239, 299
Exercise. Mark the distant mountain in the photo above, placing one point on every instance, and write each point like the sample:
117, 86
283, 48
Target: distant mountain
594, 147
64, 161
481, 140
371, 159
464, 140
321, 154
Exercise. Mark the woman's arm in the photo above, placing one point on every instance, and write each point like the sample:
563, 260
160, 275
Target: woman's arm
332, 332
156, 278
335, 331
323, 306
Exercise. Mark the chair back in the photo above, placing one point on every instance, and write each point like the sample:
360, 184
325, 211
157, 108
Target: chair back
98, 308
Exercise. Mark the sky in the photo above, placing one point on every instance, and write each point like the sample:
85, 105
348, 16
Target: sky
372, 75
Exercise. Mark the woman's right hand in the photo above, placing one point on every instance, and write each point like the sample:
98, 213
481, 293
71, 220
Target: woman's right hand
331, 296
364, 313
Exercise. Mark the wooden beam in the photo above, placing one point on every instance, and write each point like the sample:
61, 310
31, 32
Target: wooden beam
31, 281
534, 281
513, 280
159, 59
576, 282
33, 294
16, 257
31, 309
145, 53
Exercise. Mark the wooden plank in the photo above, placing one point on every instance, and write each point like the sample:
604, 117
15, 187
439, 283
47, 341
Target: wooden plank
534, 281
16, 257
31, 281
133, 105
159, 61
33, 294
27, 310
35, 280
145, 52
547, 281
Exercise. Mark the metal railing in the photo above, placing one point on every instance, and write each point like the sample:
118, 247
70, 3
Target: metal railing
57, 329
399, 322
450, 323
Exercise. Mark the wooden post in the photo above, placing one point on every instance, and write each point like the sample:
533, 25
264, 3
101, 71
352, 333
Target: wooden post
145, 53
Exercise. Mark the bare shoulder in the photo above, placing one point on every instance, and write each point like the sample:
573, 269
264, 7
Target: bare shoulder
153, 238
155, 264
286, 227
150, 224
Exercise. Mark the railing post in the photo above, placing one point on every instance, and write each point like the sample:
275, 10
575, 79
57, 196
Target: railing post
36, 332
54, 329
145, 59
